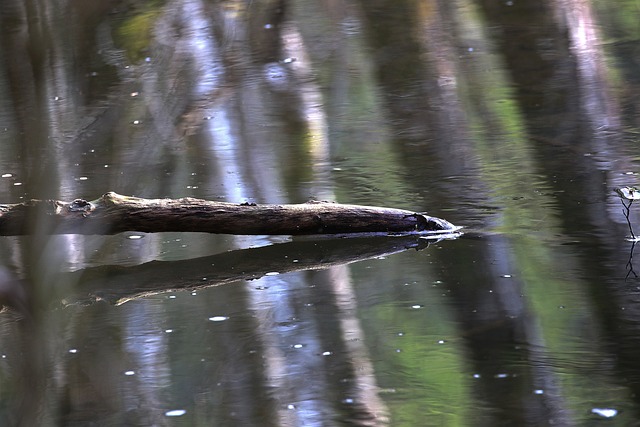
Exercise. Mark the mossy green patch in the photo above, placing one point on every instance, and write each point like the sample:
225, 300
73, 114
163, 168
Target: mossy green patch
135, 34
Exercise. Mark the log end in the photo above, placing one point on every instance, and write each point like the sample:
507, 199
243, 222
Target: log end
432, 223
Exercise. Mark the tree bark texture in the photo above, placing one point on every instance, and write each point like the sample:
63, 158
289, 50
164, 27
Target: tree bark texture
113, 213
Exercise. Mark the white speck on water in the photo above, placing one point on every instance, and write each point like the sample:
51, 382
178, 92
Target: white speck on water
136, 122
476, 376
7, 175
175, 413
129, 373
297, 346
501, 376
605, 412
134, 94
106, 166
272, 273
400, 334
275, 74
17, 183
218, 318
194, 293
538, 391
73, 350
417, 306
348, 401
441, 341
506, 276
327, 353
290, 406
172, 297
134, 237
168, 331
268, 26
83, 178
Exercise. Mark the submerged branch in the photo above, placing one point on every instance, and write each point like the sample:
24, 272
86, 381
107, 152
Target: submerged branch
113, 213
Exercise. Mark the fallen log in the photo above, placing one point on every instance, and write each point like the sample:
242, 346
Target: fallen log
114, 213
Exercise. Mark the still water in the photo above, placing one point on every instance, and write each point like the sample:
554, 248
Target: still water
514, 119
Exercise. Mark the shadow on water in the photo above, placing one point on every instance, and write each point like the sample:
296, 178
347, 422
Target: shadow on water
515, 119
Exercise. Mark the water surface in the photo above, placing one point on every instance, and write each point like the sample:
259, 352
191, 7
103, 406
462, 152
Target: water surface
515, 119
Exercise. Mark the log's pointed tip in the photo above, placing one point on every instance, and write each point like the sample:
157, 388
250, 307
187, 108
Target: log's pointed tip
432, 223
442, 224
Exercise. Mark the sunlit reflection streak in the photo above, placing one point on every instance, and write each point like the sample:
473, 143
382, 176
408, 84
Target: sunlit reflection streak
366, 388
263, 156
205, 55
598, 100
227, 157
313, 111
229, 170
59, 98
587, 48
73, 246
285, 368
294, 369
149, 371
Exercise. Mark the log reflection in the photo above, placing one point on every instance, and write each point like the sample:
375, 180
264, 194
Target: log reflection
118, 285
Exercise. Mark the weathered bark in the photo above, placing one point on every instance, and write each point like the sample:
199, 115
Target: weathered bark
113, 213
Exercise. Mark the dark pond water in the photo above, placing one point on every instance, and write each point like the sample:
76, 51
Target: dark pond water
515, 119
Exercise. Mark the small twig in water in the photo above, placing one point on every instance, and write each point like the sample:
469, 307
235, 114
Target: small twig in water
630, 194
630, 262
626, 213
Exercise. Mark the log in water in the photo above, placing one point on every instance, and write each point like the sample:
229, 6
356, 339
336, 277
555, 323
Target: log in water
114, 213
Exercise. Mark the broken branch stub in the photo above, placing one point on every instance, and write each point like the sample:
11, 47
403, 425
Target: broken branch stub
114, 213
